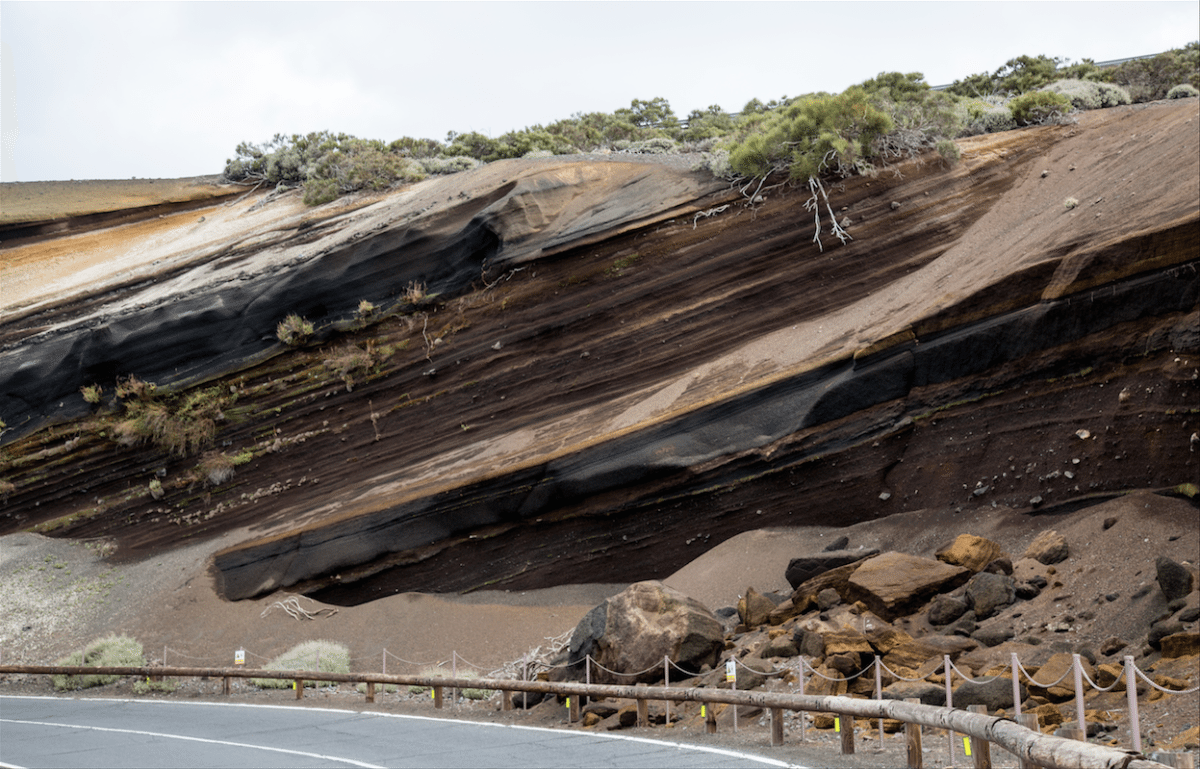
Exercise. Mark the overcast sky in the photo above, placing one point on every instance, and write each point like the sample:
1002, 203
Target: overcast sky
102, 90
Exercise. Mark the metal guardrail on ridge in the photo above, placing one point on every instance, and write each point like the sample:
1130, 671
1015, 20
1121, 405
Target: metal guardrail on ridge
1032, 748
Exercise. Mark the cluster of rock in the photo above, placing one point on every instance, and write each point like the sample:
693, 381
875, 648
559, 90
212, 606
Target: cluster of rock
849, 607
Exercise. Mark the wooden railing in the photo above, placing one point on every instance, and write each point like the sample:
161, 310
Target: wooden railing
1031, 748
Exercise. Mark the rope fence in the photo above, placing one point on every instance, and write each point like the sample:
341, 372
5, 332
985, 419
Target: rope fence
534, 666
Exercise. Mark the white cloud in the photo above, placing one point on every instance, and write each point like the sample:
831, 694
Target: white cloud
112, 90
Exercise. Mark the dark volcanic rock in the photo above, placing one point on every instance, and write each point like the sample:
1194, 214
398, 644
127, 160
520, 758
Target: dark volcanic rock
994, 694
944, 609
1173, 578
804, 568
988, 593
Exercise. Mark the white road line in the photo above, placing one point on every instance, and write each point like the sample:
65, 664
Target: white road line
338, 759
558, 732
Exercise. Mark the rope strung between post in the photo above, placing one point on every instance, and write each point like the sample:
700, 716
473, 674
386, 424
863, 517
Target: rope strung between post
897, 676
1097, 686
819, 674
410, 662
1038, 683
981, 679
1142, 676
627, 675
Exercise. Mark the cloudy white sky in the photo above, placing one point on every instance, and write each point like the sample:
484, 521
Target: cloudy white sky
102, 90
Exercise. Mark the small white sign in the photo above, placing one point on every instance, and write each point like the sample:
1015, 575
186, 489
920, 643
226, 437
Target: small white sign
730, 670
239, 657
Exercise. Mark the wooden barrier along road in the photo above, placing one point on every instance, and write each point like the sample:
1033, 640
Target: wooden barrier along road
1030, 747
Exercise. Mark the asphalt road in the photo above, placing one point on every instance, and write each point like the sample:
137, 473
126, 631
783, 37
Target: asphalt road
102, 733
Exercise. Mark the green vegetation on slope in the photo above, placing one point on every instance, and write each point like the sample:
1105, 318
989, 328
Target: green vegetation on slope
891, 116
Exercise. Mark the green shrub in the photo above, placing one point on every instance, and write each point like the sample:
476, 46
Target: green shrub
1183, 91
1070, 203
1152, 79
166, 686
294, 330
1039, 107
1089, 94
657, 146
949, 151
448, 165
473, 693
110, 651
332, 657
813, 135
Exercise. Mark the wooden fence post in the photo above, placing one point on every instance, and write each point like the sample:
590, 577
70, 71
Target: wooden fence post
845, 725
227, 685
370, 691
803, 726
643, 712
572, 710
879, 694
776, 727
437, 698
299, 684
981, 750
505, 700
1029, 721
710, 718
912, 740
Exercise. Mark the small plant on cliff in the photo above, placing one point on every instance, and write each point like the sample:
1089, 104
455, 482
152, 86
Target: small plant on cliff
323, 656
110, 651
366, 311
414, 293
1070, 203
294, 330
132, 387
91, 393
182, 426
216, 468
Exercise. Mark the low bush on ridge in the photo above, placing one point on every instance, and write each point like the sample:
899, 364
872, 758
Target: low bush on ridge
808, 136
110, 651
321, 656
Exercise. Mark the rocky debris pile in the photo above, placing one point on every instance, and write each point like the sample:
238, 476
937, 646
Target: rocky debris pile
849, 608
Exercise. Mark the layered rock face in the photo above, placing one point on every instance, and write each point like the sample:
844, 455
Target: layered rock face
603, 381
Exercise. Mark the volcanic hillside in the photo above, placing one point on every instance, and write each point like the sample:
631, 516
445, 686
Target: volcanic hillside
593, 369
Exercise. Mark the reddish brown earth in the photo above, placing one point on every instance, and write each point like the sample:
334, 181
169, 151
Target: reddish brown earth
619, 406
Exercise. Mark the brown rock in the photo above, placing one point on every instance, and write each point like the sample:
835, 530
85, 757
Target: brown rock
644, 623
1048, 715
1049, 547
970, 552
895, 584
886, 638
754, 608
846, 641
1046, 682
1181, 645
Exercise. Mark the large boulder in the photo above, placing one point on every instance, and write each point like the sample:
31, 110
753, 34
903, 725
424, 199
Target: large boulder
806, 592
634, 630
970, 552
1049, 547
895, 584
806, 567
988, 593
754, 608
1174, 579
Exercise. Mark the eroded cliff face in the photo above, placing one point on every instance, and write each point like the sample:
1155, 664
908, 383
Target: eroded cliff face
607, 382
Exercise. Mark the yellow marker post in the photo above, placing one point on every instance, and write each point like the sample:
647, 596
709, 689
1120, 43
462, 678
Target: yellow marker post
703, 711
837, 724
967, 745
